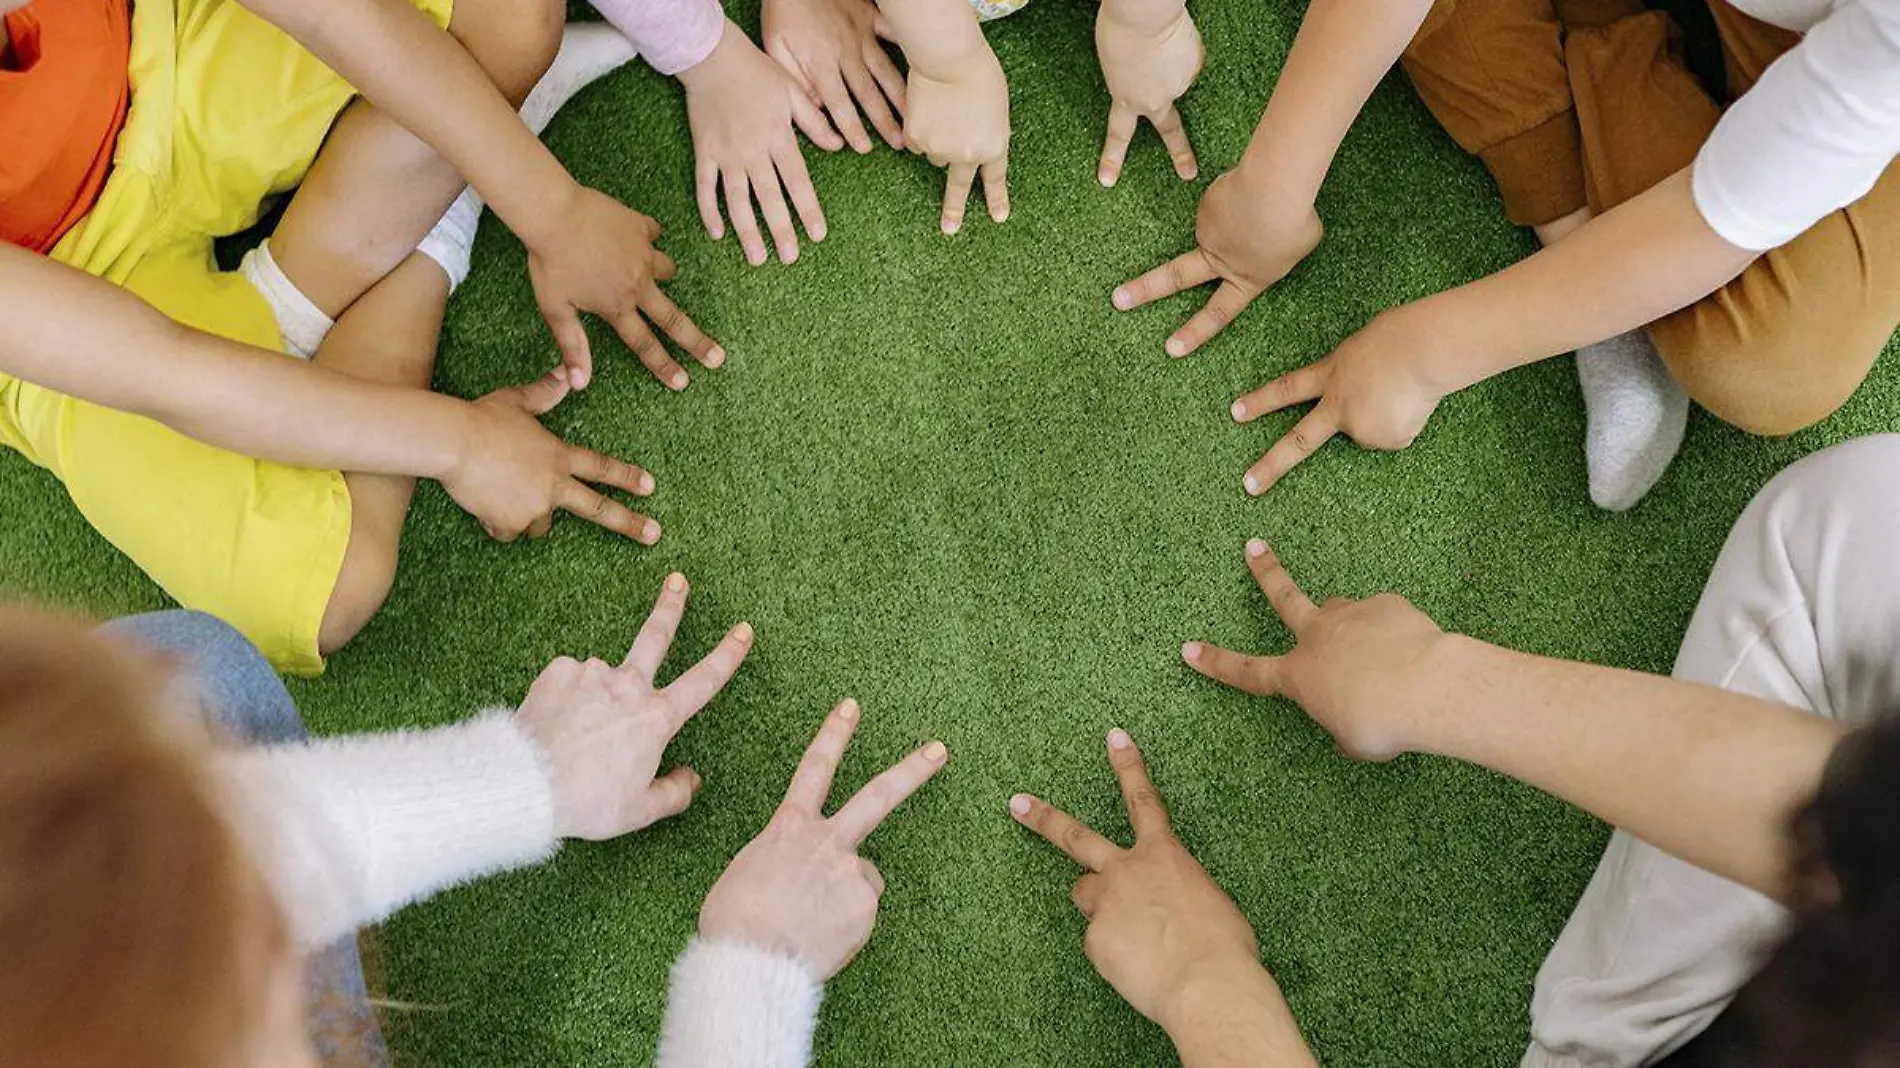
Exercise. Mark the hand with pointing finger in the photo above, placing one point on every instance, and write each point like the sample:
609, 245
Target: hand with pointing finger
1165, 935
1374, 388
604, 264
1357, 667
604, 729
800, 888
1248, 241
513, 475
1151, 53
959, 120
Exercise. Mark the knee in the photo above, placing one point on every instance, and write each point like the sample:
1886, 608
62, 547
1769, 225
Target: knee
1772, 382
363, 584
514, 41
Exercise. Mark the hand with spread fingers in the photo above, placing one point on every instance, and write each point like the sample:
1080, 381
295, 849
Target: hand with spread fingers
959, 120
1247, 241
800, 888
1151, 53
832, 49
1164, 934
605, 264
604, 729
1377, 388
1359, 668
513, 474
743, 108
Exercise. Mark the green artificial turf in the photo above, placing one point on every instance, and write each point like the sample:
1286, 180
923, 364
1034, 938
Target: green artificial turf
942, 476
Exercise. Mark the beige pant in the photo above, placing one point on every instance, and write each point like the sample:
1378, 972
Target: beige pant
1803, 608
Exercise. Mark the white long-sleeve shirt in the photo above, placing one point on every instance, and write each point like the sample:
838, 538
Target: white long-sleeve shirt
348, 830
1815, 133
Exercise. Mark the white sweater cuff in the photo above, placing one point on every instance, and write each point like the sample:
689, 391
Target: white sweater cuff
737, 1006
351, 829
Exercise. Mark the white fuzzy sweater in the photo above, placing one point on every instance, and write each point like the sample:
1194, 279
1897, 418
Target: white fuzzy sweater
349, 830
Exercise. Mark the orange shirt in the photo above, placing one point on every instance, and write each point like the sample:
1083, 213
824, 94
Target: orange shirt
63, 95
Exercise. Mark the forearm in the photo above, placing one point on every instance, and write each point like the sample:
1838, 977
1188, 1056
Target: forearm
88, 339
1236, 1020
1624, 269
1710, 776
1343, 49
1144, 15
737, 1006
425, 80
348, 830
937, 36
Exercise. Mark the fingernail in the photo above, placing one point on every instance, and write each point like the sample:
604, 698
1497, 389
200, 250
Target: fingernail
697, 781
743, 632
1256, 549
848, 710
578, 378
1020, 804
1252, 484
678, 381
788, 255
716, 357
1238, 411
936, 753
1121, 299
1119, 739
819, 233
650, 533
1176, 348
1191, 651
1001, 217
646, 484
676, 582
1107, 179
952, 227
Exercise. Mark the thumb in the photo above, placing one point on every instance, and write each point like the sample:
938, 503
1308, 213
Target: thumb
539, 397
571, 338
672, 793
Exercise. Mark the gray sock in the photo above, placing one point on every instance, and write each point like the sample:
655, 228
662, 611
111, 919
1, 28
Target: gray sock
1636, 418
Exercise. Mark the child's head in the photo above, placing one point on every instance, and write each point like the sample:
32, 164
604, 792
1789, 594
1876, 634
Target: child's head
133, 930
1829, 994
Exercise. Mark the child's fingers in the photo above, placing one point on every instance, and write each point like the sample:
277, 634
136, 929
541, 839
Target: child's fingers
706, 189
699, 684
844, 115
1289, 602
1182, 272
809, 117
664, 267
956, 195
1180, 149
650, 646
598, 508
777, 49
663, 313
1221, 309
996, 188
1121, 130
571, 338
811, 780
540, 396
1076, 839
633, 330
1257, 675
871, 97
600, 469
1295, 387
791, 168
871, 806
744, 223
888, 77
778, 218
1289, 452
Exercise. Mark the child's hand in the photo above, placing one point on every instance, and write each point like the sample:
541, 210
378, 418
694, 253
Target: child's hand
832, 48
513, 474
959, 119
1149, 59
601, 260
1357, 667
742, 107
1248, 241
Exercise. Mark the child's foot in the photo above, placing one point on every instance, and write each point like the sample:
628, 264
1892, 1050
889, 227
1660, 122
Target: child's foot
1636, 416
589, 52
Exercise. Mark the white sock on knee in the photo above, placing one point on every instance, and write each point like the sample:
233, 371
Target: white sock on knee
1636, 418
302, 324
589, 51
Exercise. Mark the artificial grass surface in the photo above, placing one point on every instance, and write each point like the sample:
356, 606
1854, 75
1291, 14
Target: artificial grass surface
942, 476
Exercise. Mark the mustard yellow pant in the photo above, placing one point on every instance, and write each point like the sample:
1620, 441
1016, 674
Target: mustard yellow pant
227, 113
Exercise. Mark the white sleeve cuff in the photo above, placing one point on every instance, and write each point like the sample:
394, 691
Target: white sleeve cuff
351, 829
738, 1006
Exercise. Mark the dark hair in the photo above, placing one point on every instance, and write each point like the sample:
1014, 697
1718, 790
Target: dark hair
1830, 994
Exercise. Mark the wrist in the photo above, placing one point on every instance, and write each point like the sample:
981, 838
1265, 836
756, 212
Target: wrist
1146, 17
711, 70
1444, 717
947, 53
1211, 989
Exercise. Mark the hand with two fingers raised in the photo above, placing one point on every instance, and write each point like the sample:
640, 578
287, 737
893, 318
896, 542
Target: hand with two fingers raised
800, 888
604, 729
1247, 241
513, 474
832, 49
1151, 53
1374, 388
604, 263
959, 120
1359, 668
743, 108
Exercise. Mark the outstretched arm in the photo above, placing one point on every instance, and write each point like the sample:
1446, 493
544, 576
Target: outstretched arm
1710, 776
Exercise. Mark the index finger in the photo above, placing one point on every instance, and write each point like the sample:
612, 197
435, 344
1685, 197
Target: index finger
590, 466
1121, 130
656, 634
1302, 441
1180, 149
700, 683
590, 504
1289, 602
660, 309
1145, 811
956, 195
1076, 839
996, 188
571, 338
633, 330
811, 783
882, 795
1185, 271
